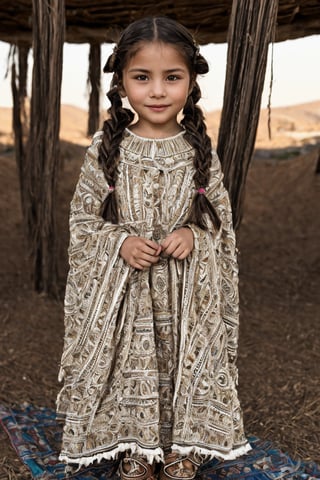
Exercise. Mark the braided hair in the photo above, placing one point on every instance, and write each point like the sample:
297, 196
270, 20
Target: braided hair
167, 31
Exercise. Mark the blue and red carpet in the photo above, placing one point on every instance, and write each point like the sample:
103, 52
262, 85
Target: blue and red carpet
35, 435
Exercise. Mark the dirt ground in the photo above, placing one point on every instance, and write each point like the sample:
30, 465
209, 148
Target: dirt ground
279, 354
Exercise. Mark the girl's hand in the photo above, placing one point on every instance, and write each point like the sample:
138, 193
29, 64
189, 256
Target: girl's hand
179, 243
140, 252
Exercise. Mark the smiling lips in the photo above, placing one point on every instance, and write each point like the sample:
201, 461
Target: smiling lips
157, 108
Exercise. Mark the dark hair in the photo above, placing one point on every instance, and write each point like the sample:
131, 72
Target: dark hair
168, 31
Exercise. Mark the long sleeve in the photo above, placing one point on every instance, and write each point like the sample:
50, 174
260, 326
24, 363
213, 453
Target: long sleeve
94, 262
87, 227
226, 253
227, 256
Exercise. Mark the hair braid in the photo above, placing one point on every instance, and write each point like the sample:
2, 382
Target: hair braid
196, 134
109, 152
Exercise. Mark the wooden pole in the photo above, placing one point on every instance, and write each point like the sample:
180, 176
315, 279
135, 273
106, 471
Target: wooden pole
19, 117
94, 76
43, 145
317, 170
251, 29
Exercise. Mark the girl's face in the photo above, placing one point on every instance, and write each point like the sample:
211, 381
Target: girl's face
157, 82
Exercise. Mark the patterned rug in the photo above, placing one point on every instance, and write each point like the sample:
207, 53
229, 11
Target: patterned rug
35, 435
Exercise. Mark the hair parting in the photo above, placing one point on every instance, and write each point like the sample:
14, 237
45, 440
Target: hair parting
168, 31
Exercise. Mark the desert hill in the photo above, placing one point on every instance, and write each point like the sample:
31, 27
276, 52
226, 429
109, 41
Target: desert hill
290, 126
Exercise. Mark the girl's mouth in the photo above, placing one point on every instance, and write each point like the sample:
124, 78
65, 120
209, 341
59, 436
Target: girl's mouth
157, 108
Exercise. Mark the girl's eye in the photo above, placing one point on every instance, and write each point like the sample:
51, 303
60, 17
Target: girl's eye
172, 78
141, 77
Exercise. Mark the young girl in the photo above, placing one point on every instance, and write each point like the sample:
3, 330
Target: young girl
151, 305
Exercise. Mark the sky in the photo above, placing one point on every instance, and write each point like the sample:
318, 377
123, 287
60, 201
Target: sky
296, 72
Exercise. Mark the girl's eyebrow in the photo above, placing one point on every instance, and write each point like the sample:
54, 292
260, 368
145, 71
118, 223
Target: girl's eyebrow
144, 70
178, 69
169, 70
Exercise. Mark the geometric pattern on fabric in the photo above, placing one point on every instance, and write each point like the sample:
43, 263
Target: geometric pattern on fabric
36, 435
149, 356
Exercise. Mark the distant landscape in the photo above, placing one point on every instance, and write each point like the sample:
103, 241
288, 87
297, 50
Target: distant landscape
290, 126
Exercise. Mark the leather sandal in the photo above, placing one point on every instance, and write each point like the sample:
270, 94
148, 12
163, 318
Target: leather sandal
136, 467
179, 467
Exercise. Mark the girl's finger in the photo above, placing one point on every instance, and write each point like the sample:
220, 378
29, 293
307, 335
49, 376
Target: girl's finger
145, 260
178, 251
148, 258
172, 246
140, 264
159, 250
152, 244
145, 250
183, 255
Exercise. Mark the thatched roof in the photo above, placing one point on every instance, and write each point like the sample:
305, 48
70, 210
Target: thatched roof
91, 21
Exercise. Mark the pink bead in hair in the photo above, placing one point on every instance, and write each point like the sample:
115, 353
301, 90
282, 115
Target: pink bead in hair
202, 191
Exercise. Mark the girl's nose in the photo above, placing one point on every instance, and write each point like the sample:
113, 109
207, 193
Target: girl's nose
157, 89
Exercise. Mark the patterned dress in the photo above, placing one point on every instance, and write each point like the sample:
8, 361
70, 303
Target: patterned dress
149, 356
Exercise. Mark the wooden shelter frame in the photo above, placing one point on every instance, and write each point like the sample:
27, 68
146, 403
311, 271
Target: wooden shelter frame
248, 25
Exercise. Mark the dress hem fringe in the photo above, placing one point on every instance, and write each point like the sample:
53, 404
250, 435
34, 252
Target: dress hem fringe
154, 454
211, 453
151, 455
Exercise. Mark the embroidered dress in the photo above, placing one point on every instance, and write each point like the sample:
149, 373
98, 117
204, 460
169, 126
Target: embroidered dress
149, 356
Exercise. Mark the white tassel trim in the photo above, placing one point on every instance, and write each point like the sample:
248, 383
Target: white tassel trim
151, 455
210, 454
